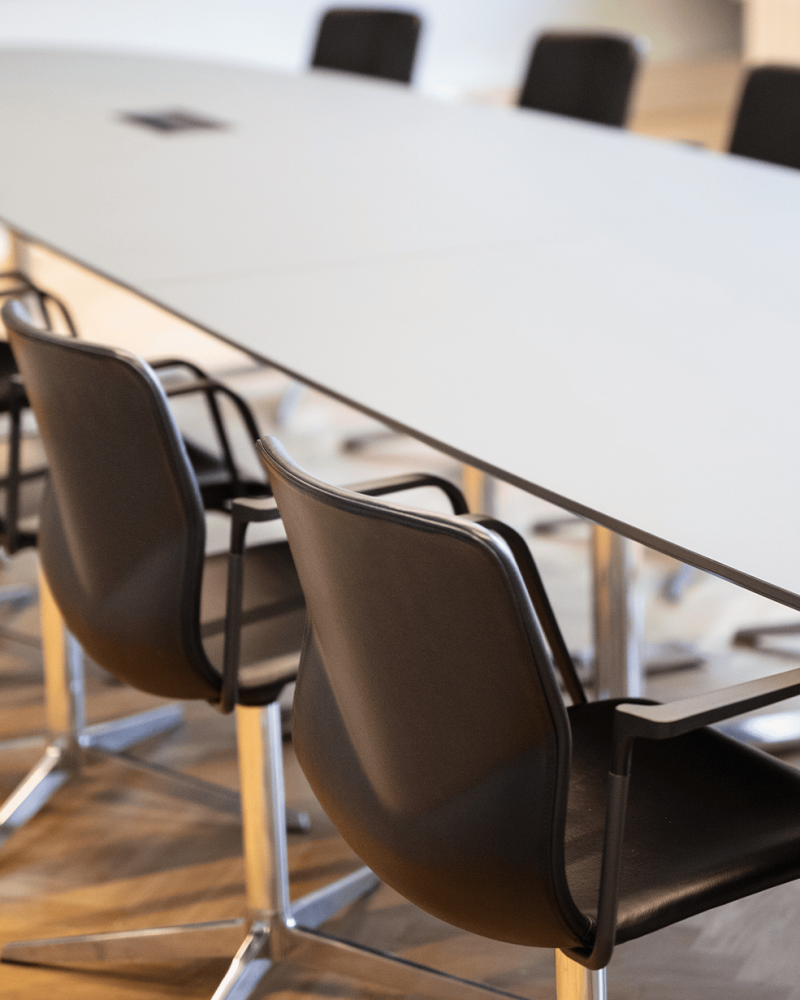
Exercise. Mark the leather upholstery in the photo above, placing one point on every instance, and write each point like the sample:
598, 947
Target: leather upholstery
122, 529
380, 43
428, 721
709, 820
587, 76
427, 717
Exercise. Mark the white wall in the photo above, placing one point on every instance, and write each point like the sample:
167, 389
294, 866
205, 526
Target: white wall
468, 45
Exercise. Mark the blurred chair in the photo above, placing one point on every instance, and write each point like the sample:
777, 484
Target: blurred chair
121, 543
767, 123
380, 42
587, 75
477, 793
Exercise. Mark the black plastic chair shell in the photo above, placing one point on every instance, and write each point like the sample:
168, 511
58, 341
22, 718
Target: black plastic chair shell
767, 125
428, 720
122, 530
379, 43
586, 75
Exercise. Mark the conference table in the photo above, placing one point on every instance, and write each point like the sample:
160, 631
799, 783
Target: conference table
607, 321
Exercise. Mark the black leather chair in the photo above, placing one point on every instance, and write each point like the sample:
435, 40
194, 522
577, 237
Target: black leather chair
219, 478
121, 542
587, 75
380, 43
767, 123
429, 722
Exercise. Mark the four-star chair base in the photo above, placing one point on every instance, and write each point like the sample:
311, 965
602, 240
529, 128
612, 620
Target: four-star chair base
275, 929
72, 744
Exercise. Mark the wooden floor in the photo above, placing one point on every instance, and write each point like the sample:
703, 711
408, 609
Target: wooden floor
113, 850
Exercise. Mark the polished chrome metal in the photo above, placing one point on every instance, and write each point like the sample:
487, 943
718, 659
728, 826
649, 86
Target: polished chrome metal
574, 982
17, 743
314, 909
70, 739
374, 968
271, 931
250, 964
184, 786
65, 697
155, 944
479, 490
617, 616
49, 774
119, 734
263, 806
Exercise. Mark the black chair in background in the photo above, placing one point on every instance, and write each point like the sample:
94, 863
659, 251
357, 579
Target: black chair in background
429, 722
767, 123
587, 75
121, 543
380, 43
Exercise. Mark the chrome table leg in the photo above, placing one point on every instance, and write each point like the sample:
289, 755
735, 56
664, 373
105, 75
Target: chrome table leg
617, 616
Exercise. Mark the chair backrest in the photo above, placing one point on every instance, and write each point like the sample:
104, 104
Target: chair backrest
582, 75
767, 124
427, 717
380, 43
122, 531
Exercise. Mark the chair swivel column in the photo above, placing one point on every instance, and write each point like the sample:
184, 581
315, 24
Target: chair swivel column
574, 982
259, 739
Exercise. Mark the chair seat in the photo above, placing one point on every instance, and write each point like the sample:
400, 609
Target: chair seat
273, 618
709, 820
214, 478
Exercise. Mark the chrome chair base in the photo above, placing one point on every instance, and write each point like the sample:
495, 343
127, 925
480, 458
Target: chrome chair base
64, 757
73, 744
275, 929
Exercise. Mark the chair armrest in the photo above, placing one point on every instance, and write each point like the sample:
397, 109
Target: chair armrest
659, 722
247, 510
210, 386
190, 385
199, 382
244, 511
642, 721
413, 481
189, 366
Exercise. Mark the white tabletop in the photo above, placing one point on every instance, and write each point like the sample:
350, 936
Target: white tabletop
608, 321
